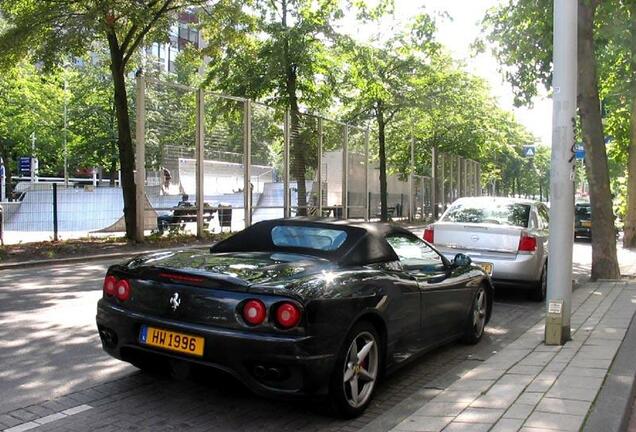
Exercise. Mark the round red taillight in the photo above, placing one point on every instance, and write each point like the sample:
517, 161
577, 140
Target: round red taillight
254, 312
287, 315
122, 290
109, 285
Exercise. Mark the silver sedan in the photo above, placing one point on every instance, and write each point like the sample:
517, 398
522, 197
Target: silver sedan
508, 237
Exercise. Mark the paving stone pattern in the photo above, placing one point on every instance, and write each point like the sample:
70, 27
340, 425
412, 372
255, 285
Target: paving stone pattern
530, 387
213, 402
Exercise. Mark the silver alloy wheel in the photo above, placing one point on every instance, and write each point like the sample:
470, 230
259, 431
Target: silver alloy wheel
479, 312
360, 369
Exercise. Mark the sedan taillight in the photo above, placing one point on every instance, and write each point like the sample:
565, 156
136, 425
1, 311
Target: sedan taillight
527, 243
429, 235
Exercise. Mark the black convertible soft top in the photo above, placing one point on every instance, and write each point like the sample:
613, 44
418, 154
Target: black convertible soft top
365, 244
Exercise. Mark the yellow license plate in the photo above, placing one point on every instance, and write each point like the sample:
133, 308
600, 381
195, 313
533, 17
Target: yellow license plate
586, 223
172, 341
487, 267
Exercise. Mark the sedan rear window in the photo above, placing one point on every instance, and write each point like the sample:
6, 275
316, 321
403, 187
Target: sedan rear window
513, 214
583, 211
323, 239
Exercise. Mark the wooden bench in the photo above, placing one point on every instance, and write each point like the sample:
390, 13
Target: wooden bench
183, 215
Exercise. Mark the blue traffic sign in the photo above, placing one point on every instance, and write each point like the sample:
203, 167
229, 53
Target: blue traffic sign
579, 151
24, 165
529, 151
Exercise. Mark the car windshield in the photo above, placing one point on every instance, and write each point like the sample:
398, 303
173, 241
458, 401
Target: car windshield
322, 239
513, 214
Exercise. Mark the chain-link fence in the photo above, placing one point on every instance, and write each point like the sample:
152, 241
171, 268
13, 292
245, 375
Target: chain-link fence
49, 211
216, 162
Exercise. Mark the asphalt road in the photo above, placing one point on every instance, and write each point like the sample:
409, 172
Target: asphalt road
50, 351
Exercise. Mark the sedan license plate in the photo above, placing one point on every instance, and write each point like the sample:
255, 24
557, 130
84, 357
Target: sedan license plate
487, 267
172, 341
586, 223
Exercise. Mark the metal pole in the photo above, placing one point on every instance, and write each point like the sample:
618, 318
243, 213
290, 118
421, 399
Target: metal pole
200, 158
478, 179
367, 196
459, 177
345, 173
34, 174
247, 161
319, 120
65, 136
3, 179
561, 166
469, 177
464, 177
412, 180
442, 176
451, 190
55, 238
140, 157
286, 197
434, 182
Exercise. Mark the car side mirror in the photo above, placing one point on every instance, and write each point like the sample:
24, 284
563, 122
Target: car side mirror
462, 260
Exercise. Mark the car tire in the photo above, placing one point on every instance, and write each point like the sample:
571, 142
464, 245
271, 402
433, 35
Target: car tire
539, 292
356, 371
477, 317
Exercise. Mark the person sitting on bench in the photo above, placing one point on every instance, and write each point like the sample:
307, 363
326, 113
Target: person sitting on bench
164, 221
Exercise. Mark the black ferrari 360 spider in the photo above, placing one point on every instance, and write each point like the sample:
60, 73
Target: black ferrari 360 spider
296, 306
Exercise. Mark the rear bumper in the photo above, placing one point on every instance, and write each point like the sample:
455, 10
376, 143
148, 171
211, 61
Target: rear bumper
583, 232
290, 367
518, 268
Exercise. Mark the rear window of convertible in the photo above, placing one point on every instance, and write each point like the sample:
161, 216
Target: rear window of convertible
322, 239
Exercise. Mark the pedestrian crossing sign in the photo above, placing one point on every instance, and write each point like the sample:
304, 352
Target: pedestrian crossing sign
529, 151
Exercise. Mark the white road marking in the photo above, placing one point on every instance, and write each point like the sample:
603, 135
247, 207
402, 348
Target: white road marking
48, 419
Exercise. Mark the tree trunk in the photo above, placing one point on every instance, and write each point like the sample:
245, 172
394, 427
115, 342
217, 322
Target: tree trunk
382, 157
124, 139
604, 262
629, 237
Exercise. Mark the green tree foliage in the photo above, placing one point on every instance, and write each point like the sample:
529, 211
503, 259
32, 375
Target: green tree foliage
278, 52
51, 30
385, 83
284, 53
91, 122
31, 105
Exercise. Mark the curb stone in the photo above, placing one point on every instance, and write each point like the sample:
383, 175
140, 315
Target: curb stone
99, 257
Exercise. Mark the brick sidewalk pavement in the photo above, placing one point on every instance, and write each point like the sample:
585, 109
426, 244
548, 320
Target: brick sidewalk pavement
531, 387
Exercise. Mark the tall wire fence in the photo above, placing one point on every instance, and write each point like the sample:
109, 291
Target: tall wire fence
215, 162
